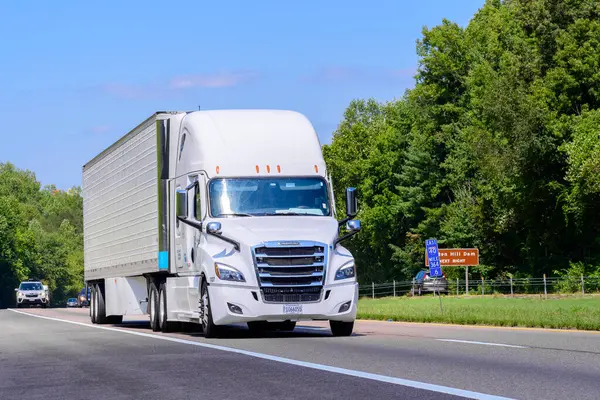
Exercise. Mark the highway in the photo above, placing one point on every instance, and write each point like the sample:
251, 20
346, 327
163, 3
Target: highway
58, 354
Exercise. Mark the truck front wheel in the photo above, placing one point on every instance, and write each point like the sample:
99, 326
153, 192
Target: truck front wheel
341, 328
210, 329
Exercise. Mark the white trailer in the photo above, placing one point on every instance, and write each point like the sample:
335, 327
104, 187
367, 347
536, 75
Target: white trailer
218, 217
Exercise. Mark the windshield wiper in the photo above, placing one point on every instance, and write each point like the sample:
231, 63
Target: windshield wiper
234, 215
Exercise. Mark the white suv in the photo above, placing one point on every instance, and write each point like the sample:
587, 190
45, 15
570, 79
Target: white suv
32, 293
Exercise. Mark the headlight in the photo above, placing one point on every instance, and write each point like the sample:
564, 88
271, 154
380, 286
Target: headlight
19, 294
228, 273
346, 271
42, 294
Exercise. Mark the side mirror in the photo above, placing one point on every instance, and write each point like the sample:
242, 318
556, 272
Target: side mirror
351, 202
353, 225
17, 289
181, 201
214, 228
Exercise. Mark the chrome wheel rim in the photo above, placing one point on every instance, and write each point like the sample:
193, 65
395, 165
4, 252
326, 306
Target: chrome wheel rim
205, 307
161, 309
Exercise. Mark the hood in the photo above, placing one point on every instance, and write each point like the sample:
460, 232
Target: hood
255, 230
38, 292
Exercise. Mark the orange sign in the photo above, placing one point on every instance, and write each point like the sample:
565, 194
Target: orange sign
457, 257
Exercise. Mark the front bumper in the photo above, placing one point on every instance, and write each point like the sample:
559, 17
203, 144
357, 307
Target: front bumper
258, 310
32, 300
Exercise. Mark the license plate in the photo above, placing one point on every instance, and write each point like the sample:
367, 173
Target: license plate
292, 309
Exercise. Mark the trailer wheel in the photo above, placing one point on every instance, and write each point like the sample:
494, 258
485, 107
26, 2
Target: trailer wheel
152, 307
100, 307
210, 329
93, 305
164, 324
341, 328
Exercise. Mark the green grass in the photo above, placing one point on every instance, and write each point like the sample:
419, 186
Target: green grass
569, 313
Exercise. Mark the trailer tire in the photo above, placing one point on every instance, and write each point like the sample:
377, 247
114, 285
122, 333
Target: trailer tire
93, 305
164, 324
153, 307
341, 328
101, 307
210, 329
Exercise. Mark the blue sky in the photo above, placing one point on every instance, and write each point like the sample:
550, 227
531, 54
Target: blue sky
76, 76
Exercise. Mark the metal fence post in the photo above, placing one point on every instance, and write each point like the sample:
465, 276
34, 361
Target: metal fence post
482, 286
467, 281
457, 287
394, 288
372, 290
511, 287
545, 290
582, 285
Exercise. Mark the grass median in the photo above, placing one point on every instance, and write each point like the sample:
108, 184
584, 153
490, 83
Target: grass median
565, 313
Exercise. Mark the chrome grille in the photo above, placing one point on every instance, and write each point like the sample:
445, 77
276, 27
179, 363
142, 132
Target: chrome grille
291, 271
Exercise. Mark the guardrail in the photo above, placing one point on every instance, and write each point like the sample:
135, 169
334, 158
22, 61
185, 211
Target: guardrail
541, 286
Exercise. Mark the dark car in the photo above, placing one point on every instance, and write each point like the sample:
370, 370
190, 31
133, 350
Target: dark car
72, 302
423, 283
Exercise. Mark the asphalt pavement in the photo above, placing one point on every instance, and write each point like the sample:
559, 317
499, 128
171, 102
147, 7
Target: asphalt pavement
57, 354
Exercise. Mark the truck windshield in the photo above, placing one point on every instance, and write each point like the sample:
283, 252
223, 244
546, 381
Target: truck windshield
268, 196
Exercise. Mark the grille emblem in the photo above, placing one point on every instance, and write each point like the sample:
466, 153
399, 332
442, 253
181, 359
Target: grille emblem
289, 243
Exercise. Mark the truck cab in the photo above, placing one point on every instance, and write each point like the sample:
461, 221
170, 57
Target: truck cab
247, 227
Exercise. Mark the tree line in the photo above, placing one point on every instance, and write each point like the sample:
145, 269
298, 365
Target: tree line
497, 147
41, 236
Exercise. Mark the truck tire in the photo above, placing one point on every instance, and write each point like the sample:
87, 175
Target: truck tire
210, 329
94, 306
341, 328
164, 325
101, 307
153, 307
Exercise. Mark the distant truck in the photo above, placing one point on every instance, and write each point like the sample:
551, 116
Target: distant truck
84, 297
215, 218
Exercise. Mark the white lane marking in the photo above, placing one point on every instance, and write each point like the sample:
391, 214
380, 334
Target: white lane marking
482, 343
342, 371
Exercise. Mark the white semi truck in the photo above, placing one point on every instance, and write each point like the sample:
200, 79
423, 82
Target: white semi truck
216, 218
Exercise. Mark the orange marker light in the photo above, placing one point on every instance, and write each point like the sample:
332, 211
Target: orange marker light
316, 169
268, 168
257, 169
218, 169
278, 168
